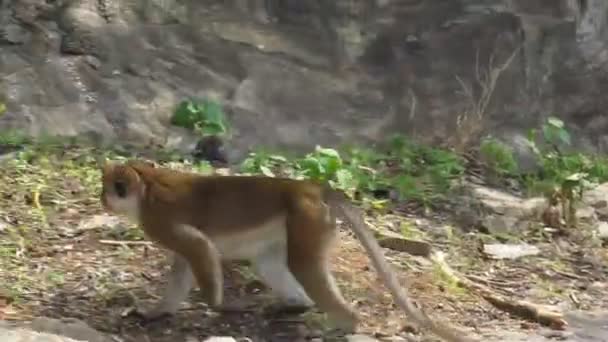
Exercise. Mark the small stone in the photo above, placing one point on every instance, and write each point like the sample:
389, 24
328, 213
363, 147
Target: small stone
97, 221
220, 339
360, 338
223, 171
69, 327
510, 251
397, 242
93, 61
14, 34
602, 229
3, 226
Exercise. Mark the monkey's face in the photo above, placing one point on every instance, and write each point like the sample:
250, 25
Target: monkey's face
122, 190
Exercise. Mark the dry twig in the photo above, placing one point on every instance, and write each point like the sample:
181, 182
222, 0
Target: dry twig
125, 243
515, 307
470, 122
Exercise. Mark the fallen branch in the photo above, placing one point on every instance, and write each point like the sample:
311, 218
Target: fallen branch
125, 243
524, 309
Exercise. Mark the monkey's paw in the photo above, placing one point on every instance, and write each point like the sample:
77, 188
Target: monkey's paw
151, 315
280, 309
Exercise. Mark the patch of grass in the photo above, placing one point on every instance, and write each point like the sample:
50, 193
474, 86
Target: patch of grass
414, 172
450, 284
13, 138
548, 288
410, 231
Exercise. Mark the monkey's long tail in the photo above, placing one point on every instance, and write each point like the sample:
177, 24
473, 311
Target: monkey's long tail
399, 293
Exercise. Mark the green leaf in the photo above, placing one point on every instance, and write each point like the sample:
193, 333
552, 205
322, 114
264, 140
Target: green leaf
182, 116
206, 117
266, 171
330, 165
564, 137
548, 133
330, 152
278, 158
193, 108
531, 137
576, 177
213, 113
310, 167
211, 128
345, 179
555, 122
2, 108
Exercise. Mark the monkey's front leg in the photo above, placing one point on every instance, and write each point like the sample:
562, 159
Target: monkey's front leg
180, 281
195, 258
204, 261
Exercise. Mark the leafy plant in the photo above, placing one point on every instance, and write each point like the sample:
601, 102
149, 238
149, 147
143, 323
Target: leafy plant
412, 171
205, 117
424, 173
569, 172
325, 164
554, 132
13, 138
268, 164
366, 166
498, 157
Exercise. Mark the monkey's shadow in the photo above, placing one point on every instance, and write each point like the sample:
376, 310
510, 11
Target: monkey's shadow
249, 314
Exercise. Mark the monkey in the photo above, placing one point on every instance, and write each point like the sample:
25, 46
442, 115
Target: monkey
283, 227
551, 216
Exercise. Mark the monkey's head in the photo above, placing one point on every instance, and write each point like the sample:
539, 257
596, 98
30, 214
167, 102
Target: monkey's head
122, 188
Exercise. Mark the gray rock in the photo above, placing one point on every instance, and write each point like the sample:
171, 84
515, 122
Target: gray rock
44, 329
360, 338
495, 211
602, 229
344, 70
69, 327
14, 34
220, 339
510, 251
597, 198
23, 335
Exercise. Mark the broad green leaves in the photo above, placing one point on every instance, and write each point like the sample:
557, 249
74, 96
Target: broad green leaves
205, 117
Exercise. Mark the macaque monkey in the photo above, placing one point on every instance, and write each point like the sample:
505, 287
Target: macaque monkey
284, 227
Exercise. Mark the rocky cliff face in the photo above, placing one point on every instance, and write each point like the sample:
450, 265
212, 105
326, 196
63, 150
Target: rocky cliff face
295, 73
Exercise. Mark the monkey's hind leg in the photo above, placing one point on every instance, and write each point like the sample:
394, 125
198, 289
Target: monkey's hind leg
310, 236
272, 268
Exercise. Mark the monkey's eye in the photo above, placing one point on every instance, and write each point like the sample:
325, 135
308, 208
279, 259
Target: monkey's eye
120, 188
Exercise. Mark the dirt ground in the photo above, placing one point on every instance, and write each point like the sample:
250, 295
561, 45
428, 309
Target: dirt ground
60, 256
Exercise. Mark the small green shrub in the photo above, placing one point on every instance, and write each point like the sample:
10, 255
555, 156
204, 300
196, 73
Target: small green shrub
13, 138
498, 157
574, 170
422, 173
266, 163
415, 172
325, 164
205, 117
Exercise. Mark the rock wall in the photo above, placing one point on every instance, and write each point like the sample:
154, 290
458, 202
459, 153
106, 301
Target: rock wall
295, 73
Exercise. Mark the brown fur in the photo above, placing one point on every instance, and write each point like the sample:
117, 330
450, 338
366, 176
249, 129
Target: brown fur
222, 208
